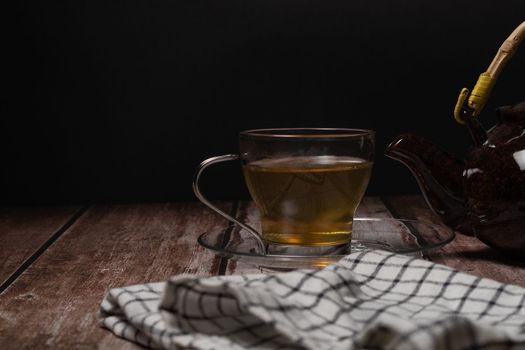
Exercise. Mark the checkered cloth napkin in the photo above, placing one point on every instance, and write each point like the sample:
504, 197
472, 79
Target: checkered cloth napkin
368, 300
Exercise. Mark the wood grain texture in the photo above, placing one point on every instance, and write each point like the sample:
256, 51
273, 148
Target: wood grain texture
372, 207
247, 213
54, 303
25, 229
465, 253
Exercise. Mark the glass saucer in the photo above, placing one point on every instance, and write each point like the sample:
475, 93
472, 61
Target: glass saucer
390, 234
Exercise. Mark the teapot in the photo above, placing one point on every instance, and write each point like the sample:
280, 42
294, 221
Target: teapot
483, 194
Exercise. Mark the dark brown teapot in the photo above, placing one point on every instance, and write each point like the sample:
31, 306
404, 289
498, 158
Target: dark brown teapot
483, 195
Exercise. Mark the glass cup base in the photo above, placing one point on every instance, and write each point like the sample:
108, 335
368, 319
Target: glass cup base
311, 239
310, 250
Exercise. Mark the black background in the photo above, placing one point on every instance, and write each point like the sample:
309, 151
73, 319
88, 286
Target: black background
119, 101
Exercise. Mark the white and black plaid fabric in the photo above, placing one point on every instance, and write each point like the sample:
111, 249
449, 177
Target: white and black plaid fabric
368, 300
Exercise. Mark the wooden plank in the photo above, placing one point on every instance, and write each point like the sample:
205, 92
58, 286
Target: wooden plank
54, 303
372, 207
23, 230
247, 213
388, 234
465, 253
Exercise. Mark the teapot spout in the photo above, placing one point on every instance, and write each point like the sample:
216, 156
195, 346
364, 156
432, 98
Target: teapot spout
438, 174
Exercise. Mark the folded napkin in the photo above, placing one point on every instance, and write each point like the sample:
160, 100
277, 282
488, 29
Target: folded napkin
368, 300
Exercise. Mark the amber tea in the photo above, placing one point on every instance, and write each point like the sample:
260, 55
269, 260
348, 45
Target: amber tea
306, 183
307, 200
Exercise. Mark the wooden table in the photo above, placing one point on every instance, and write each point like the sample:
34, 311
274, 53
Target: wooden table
57, 263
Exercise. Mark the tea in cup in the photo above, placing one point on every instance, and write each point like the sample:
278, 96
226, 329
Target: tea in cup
306, 183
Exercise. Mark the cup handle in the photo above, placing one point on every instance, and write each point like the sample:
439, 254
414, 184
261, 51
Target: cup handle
196, 189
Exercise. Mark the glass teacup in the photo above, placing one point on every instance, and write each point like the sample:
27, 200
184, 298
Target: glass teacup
306, 183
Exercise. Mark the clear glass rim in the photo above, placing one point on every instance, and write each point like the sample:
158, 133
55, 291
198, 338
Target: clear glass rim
307, 133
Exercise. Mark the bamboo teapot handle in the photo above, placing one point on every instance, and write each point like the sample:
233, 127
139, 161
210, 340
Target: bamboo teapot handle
471, 105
